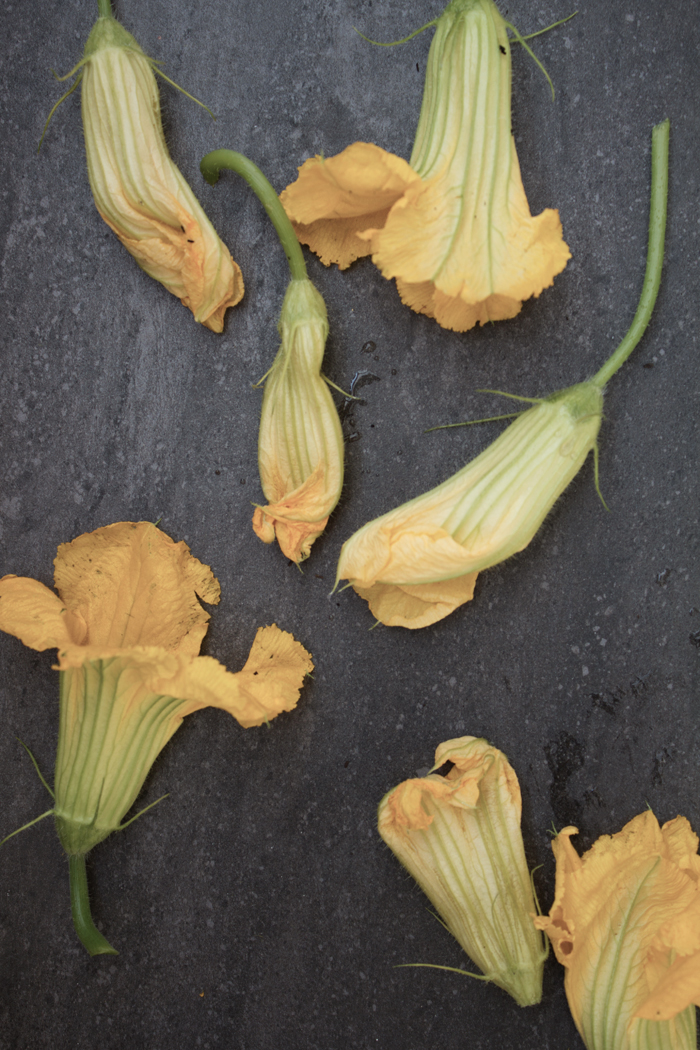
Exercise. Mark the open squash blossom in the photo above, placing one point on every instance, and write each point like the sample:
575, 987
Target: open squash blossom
128, 626
300, 444
418, 563
625, 924
453, 226
139, 192
459, 837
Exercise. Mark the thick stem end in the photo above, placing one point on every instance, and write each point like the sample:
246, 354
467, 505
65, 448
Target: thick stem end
90, 937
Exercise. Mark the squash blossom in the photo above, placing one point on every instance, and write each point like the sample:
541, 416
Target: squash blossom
128, 626
300, 445
625, 924
139, 192
417, 563
459, 837
453, 226
300, 442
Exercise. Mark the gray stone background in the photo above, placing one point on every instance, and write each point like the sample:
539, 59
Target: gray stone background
257, 908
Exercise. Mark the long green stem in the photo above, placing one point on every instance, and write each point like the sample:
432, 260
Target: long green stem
211, 165
105, 8
655, 254
90, 936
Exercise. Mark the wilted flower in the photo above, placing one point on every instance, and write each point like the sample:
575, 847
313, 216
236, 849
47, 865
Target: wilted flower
138, 190
453, 226
417, 563
625, 924
459, 837
128, 627
300, 445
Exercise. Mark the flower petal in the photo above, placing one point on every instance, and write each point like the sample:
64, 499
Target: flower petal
417, 606
333, 200
269, 683
133, 585
35, 615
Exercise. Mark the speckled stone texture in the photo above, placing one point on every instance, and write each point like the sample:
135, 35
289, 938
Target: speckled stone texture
256, 908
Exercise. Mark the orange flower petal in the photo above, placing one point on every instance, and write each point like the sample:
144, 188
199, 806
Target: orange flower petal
35, 615
333, 200
133, 585
417, 606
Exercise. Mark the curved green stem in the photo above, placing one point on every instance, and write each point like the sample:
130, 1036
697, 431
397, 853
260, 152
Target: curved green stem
655, 254
105, 8
90, 936
211, 165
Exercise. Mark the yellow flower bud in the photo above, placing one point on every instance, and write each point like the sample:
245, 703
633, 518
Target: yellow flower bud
459, 837
300, 447
625, 924
417, 563
139, 192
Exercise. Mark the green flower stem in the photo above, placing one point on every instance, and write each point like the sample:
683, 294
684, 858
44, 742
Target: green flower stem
90, 936
105, 8
210, 167
655, 254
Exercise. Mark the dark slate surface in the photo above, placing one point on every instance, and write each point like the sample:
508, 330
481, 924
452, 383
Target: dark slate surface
257, 908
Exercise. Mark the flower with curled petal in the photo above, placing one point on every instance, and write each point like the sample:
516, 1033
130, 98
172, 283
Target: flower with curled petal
459, 836
625, 924
453, 225
128, 626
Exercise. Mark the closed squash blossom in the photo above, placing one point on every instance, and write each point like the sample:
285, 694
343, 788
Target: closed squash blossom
459, 837
417, 563
300, 446
138, 191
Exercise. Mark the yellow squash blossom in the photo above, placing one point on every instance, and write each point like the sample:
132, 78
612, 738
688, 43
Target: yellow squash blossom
625, 924
459, 837
139, 192
453, 226
128, 627
300, 444
417, 563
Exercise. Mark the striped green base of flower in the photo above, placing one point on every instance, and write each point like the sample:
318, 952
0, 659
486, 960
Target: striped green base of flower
680, 1033
111, 730
484, 903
